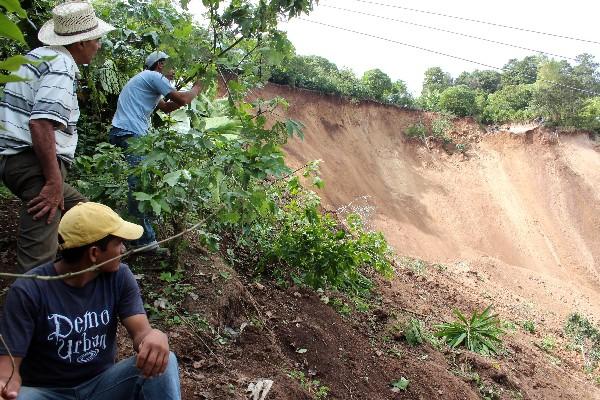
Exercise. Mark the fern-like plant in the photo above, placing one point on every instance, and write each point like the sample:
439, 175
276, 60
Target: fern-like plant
480, 333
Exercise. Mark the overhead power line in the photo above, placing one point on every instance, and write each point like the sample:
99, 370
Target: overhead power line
452, 32
440, 53
478, 21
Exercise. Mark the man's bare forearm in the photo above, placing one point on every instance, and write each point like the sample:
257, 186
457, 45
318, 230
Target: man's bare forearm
44, 145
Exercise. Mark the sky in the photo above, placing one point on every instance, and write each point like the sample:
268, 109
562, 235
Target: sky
574, 18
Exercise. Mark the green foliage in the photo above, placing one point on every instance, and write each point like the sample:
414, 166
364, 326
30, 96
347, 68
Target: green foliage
586, 337
548, 343
413, 332
319, 74
400, 96
521, 72
10, 12
312, 386
441, 126
321, 251
102, 176
377, 83
487, 81
434, 83
458, 100
416, 131
400, 385
552, 98
479, 333
589, 115
511, 103
528, 326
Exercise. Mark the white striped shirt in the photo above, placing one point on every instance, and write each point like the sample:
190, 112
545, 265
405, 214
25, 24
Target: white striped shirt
49, 93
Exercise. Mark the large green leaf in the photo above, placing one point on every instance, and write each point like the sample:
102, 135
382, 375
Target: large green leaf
11, 78
14, 7
14, 63
10, 30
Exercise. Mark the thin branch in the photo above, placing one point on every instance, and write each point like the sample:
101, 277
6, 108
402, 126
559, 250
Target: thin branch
247, 54
97, 266
231, 46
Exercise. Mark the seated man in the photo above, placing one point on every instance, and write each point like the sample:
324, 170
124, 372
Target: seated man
61, 333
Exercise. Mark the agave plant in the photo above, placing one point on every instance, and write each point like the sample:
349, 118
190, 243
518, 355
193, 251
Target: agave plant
480, 333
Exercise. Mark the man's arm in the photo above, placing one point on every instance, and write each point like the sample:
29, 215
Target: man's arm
167, 106
51, 196
12, 389
183, 98
152, 345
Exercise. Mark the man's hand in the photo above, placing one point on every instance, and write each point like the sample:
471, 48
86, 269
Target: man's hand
153, 354
6, 370
11, 391
48, 201
50, 197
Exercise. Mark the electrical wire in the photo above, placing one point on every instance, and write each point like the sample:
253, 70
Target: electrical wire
478, 21
440, 53
452, 32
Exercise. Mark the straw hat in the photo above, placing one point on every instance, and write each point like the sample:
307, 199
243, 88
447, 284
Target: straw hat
73, 22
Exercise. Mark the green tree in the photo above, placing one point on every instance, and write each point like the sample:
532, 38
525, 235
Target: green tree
511, 103
458, 100
586, 72
400, 96
589, 115
555, 96
517, 72
487, 81
434, 83
378, 83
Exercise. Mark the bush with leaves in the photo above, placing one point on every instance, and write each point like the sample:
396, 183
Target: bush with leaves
458, 100
511, 103
480, 333
317, 249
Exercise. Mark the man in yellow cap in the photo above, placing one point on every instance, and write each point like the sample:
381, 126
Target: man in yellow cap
39, 119
62, 333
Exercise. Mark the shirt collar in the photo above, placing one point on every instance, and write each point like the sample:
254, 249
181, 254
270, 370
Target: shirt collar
63, 50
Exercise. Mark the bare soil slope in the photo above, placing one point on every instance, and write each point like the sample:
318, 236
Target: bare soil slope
530, 203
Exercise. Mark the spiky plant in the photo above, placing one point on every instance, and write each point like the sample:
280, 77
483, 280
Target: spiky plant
480, 333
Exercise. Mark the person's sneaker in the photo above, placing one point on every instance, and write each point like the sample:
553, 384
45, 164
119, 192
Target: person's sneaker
151, 249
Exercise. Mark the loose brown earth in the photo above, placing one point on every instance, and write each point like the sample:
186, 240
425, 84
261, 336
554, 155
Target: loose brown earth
515, 223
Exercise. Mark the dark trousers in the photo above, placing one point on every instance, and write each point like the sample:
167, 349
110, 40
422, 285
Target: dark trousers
149, 236
37, 241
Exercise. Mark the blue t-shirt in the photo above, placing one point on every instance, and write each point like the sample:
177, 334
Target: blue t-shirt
138, 99
66, 335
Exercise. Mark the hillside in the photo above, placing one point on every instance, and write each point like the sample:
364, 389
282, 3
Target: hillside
521, 206
514, 223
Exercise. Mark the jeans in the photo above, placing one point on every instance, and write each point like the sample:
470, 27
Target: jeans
119, 138
36, 240
120, 382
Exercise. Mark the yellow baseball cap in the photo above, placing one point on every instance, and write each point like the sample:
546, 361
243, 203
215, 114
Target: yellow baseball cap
89, 222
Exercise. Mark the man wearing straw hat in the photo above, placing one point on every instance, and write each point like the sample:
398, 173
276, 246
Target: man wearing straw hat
39, 135
61, 333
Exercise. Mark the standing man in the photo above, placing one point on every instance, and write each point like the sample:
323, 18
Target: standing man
62, 333
39, 136
148, 90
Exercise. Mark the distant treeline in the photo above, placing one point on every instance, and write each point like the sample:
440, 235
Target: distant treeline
535, 87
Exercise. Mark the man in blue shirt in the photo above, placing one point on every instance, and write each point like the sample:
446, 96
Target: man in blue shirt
62, 332
145, 92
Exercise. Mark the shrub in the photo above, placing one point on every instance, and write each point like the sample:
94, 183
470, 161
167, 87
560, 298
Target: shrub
480, 333
416, 131
319, 250
459, 100
586, 337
